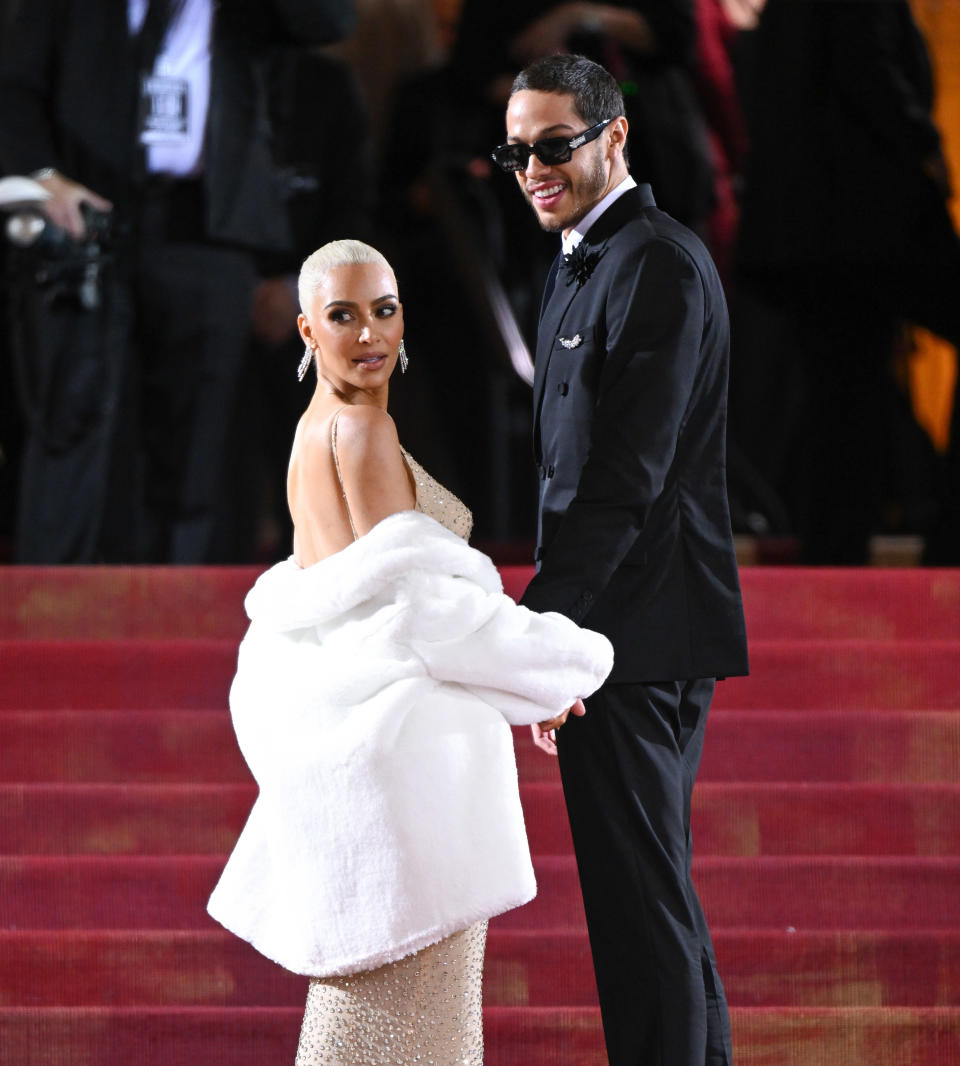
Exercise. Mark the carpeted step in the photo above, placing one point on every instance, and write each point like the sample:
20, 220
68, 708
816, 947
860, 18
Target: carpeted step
139, 747
855, 1036
805, 893
845, 741
113, 603
781, 603
100, 892
571, 1036
113, 674
832, 746
826, 819
549, 968
854, 675
122, 968
858, 603
866, 675
728, 819
183, 747
846, 968
122, 819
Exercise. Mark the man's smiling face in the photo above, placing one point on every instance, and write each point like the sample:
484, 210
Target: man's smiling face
563, 193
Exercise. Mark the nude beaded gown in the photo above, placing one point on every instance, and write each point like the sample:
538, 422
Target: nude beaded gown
425, 1009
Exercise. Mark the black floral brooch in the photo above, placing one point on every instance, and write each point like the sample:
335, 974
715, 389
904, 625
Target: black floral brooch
580, 264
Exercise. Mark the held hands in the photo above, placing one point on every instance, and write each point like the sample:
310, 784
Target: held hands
544, 733
66, 199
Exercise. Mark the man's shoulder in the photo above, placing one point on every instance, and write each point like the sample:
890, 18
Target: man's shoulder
649, 238
649, 224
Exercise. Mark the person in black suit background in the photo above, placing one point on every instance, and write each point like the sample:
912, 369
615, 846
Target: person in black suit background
844, 232
314, 99
156, 111
634, 541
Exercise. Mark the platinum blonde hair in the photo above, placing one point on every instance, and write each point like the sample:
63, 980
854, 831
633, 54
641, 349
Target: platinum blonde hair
330, 256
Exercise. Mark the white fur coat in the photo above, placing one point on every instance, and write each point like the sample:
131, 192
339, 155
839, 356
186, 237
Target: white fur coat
371, 701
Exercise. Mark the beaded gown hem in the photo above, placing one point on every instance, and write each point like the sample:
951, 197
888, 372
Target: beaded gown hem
425, 1008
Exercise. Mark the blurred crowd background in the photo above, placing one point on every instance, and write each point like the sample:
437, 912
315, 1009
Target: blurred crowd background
148, 391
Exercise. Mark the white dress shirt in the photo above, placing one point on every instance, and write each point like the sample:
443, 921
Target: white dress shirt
572, 238
184, 55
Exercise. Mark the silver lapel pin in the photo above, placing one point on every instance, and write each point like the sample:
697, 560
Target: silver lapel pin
571, 342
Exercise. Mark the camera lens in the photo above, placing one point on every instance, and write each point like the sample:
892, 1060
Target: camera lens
25, 228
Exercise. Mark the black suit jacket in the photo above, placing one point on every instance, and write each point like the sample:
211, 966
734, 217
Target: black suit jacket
630, 403
68, 98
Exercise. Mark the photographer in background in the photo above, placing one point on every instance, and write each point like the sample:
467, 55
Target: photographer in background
151, 114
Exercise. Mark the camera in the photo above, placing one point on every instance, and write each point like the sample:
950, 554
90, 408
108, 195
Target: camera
29, 228
58, 261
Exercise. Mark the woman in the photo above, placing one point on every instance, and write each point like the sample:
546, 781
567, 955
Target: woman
373, 698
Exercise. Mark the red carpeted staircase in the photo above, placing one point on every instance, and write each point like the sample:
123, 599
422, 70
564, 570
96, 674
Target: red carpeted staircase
827, 822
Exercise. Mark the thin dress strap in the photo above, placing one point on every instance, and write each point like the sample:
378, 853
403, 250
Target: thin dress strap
336, 463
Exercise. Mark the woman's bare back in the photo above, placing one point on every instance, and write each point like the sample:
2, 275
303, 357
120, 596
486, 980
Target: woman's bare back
331, 507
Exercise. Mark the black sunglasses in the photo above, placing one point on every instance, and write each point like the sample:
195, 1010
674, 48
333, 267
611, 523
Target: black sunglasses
549, 150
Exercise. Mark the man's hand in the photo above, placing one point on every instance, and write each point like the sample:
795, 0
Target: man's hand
544, 733
66, 199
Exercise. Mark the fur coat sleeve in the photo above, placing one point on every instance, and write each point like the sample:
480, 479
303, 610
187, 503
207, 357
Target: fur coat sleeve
373, 701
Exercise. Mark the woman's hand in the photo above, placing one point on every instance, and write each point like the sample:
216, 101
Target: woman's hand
544, 733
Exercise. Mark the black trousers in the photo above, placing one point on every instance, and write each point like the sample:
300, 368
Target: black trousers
131, 406
628, 768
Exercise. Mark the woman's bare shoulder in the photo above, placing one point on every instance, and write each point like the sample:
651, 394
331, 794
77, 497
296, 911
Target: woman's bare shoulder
350, 424
364, 435
359, 422
358, 446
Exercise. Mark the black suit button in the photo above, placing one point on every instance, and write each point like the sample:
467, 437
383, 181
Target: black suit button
550, 471
563, 388
583, 602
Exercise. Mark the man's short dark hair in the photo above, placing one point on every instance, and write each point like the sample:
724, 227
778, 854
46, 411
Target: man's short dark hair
596, 94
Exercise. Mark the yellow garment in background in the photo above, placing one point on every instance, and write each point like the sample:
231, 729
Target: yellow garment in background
933, 366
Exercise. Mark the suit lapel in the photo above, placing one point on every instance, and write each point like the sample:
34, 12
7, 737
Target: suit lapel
555, 307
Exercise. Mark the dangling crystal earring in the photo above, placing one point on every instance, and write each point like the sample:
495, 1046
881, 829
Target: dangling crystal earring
404, 361
305, 363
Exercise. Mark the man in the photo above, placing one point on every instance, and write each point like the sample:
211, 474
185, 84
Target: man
154, 111
634, 541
